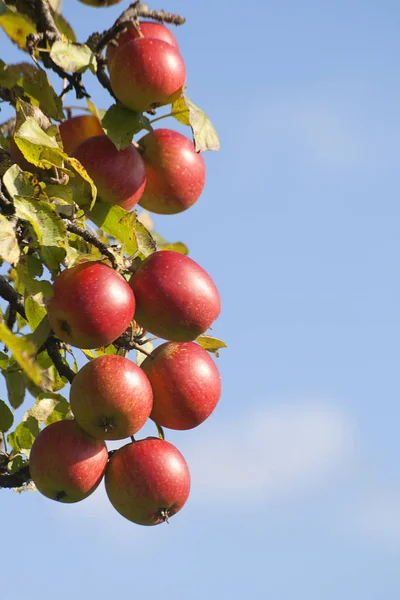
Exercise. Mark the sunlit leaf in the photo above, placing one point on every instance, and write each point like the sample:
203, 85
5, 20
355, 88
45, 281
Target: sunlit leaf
27, 432
118, 223
24, 352
9, 249
204, 133
48, 408
37, 146
16, 25
211, 344
73, 57
35, 310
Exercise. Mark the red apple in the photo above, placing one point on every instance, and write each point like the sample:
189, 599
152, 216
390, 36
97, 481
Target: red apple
119, 175
148, 29
186, 384
111, 398
146, 73
92, 305
175, 172
65, 463
147, 481
175, 298
76, 130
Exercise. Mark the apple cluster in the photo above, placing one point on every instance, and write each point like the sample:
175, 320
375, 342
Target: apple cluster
168, 295
111, 397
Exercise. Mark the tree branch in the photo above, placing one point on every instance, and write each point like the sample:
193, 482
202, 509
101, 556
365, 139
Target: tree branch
92, 239
15, 480
135, 11
53, 350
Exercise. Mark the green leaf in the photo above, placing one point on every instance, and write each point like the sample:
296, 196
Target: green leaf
37, 86
21, 183
162, 244
6, 417
23, 351
81, 184
4, 360
41, 332
37, 146
145, 241
9, 249
211, 344
16, 463
204, 133
46, 404
35, 310
48, 226
121, 124
73, 57
34, 266
92, 108
27, 432
16, 26
62, 410
13, 442
16, 387
118, 223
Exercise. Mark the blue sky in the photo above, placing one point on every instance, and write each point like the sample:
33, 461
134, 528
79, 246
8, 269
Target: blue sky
295, 479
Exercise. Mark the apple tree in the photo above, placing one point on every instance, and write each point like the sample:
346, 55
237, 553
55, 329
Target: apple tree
83, 273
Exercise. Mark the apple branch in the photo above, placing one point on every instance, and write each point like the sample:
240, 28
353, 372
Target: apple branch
94, 240
135, 11
14, 480
47, 31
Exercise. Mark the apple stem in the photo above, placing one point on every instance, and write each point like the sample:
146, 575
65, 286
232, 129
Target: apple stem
160, 431
171, 114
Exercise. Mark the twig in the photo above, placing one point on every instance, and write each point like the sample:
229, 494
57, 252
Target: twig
135, 11
7, 128
53, 350
92, 239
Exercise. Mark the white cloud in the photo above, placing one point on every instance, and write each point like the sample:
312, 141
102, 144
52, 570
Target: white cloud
272, 452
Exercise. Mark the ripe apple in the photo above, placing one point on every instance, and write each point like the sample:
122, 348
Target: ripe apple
119, 175
175, 298
148, 29
111, 397
186, 384
65, 463
147, 481
146, 73
76, 130
92, 305
175, 172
